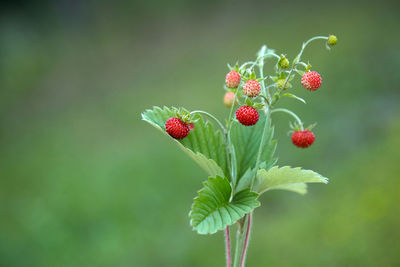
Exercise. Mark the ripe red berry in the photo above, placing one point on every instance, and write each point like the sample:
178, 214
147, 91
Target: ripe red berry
191, 126
229, 97
252, 88
176, 128
232, 79
311, 80
247, 116
303, 139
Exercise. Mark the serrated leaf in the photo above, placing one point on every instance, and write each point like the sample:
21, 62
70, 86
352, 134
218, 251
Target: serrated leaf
209, 165
205, 145
247, 142
245, 180
286, 178
300, 188
212, 209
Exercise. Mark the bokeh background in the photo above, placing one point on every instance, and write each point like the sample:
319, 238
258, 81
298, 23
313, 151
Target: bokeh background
85, 182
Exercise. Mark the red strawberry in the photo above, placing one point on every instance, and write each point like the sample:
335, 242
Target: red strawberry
247, 116
232, 79
176, 128
311, 80
303, 139
191, 126
252, 88
229, 97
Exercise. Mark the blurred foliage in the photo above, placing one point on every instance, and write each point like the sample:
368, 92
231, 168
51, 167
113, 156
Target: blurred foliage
84, 182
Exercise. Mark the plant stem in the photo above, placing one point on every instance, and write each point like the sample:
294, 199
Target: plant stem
228, 247
309, 41
211, 116
237, 246
231, 157
246, 240
290, 113
298, 58
266, 112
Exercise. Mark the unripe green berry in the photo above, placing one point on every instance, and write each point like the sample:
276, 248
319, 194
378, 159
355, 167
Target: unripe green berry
284, 62
281, 82
332, 40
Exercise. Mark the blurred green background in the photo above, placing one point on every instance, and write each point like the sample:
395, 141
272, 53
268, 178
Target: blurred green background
85, 182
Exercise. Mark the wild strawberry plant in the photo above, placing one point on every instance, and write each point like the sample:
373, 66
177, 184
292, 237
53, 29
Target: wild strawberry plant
238, 155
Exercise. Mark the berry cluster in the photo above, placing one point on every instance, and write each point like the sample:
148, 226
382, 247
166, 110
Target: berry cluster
252, 94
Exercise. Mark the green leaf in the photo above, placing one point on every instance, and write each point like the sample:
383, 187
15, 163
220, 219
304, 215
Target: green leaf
212, 209
245, 180
300, 188
247, 140
209, 165
248, 102
205, 145
286, 178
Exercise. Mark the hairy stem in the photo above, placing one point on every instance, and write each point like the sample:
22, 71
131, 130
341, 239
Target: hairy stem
211, 116
309, 41
237, 246
298, 58
228, 247
246, 240
266, 111
290, 113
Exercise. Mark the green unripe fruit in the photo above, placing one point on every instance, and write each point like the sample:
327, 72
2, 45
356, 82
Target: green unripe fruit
284, 62
332, 40
281, 82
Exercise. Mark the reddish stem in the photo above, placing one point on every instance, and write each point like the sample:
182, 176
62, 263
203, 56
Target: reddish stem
228, 247
246, 241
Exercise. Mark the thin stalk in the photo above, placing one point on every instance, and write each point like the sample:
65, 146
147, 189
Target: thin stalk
309, 41
228, 247
211, 116
246, 241
237, 246
298, 57
231, 111
266, 111
290, 113
231, 158
265, 90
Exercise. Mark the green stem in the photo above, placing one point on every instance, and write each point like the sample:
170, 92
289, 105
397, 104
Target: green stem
298, 58
242, 240
211, 116
230, 154
291, 113
266, 111
237, 247
260, 149
309, 41
246, 240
